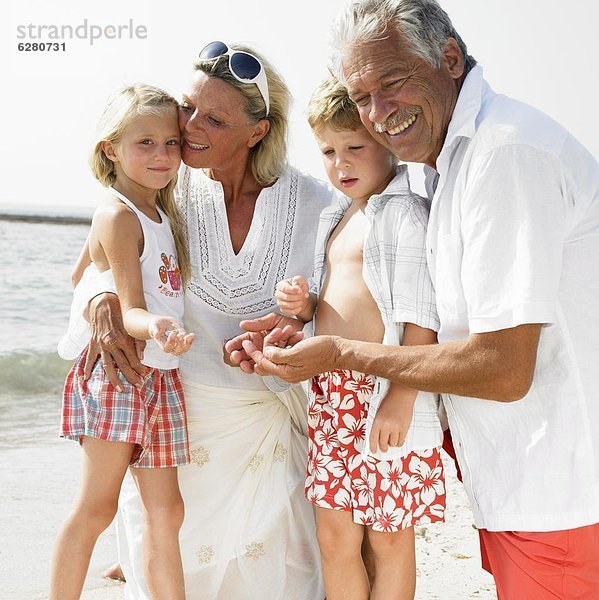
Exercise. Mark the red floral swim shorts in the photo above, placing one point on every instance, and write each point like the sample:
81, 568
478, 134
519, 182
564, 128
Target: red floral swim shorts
387, 495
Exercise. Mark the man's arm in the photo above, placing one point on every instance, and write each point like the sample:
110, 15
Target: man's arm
495, 366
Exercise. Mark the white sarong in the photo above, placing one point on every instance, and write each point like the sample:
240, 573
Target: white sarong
249, 532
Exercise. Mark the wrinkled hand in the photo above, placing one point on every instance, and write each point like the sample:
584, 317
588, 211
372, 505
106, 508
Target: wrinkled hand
303, 361
169, 335
272, 329
112, 343
292, 295
391, 423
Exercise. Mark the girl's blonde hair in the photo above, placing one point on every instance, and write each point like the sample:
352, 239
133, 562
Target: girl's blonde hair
123, 106
269, 156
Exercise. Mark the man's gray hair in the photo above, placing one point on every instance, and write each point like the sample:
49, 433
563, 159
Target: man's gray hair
423, 23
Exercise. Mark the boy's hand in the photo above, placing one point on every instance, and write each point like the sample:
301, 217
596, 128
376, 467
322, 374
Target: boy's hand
169, 335
292, 295
392, 420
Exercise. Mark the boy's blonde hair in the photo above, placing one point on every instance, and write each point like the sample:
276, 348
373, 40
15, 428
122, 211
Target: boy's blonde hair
123, 106
331, 106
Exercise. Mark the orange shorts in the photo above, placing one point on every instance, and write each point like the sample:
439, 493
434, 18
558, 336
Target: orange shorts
543, 565
540, 565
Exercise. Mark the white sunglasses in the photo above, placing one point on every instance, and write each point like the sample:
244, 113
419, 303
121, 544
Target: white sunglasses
245, 67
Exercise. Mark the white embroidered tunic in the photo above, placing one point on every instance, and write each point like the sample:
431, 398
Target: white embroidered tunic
225, 287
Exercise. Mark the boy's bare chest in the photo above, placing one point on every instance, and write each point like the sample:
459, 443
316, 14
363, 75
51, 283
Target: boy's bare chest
346, 242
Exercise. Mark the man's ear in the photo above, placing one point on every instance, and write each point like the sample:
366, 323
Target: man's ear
261, 128
109, 151
453, 59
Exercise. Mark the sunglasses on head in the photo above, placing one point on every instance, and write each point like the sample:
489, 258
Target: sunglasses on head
245, 67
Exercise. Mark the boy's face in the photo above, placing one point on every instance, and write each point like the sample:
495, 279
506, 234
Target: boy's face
355, 162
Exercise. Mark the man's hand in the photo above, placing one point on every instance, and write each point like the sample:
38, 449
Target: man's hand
306, 359
272, 329
110, 341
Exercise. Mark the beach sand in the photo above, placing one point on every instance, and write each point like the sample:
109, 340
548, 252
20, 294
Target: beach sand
38, 485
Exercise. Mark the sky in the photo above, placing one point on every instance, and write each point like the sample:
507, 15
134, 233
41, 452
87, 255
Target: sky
544, 53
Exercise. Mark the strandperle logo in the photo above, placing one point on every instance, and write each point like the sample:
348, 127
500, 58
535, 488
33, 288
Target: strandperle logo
83, 31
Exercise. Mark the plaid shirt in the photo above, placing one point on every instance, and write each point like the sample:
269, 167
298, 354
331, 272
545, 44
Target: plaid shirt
395, 271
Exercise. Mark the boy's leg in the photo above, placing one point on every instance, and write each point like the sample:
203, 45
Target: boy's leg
163, 517
104, 466
394, 560
340, 542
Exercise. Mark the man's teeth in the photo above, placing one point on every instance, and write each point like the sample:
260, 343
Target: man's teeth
402, 126
197, 146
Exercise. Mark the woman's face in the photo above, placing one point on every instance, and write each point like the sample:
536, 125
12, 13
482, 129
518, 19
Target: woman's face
215, 130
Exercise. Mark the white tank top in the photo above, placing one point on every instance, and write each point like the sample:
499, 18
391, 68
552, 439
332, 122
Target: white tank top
161, 279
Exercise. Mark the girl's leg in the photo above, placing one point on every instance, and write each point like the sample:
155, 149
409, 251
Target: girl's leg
104, 466
394, 564
163, 517
340, 542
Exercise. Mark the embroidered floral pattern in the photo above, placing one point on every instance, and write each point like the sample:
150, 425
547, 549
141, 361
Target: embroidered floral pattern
256, 461
205, 554
254, 550
387, 495
280, 453
200, 456
242, 283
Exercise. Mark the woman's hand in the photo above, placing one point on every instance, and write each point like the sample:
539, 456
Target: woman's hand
272, 329
169, 335
110, 341
292, 296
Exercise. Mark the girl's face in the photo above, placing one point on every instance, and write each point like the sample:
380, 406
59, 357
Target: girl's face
215, 130
149, 152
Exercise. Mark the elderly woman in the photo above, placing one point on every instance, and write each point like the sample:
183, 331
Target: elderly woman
251, 221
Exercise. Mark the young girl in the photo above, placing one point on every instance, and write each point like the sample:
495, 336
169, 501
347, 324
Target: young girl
136, 156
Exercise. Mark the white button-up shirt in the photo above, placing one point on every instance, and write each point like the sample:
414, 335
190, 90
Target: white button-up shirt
513, 238
395, 272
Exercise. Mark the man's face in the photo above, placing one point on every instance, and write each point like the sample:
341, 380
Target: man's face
404, 102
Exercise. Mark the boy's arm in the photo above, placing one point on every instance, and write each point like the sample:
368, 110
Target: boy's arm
294, 298
394, 415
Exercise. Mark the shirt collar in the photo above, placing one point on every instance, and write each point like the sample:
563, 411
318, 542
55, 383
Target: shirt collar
463, 120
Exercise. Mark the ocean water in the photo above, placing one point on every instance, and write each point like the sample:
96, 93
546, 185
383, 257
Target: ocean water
35, 297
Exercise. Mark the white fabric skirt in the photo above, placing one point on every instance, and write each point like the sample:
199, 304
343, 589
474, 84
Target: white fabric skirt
248, 532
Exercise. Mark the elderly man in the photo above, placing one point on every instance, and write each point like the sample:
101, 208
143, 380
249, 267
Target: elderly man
512, 247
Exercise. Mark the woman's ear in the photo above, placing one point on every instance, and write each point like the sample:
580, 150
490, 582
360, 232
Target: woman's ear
261, 128
109, 150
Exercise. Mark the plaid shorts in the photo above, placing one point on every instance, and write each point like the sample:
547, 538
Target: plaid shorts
386, 495
153, 417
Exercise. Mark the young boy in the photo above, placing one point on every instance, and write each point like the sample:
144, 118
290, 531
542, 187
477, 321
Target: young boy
374, 446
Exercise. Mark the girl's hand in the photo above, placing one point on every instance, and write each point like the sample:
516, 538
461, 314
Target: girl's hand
392, 419
169, 335
292, 295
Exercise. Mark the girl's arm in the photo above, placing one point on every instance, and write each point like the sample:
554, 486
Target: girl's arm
119, 235
82, 263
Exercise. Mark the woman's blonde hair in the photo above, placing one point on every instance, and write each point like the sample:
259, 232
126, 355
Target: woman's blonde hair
269, 156
123, 106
